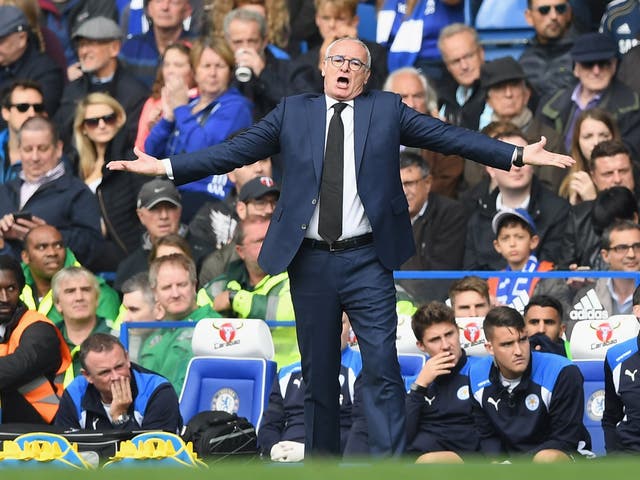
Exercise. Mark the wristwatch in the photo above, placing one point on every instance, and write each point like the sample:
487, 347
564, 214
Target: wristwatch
518, 161
419, 389
121, 419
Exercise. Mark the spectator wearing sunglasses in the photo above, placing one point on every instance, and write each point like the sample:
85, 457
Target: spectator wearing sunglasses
546, 60
99, 136
20, 58
22, 100
595, 60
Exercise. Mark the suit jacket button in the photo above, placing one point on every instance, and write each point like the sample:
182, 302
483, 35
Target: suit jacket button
314, 201
303, 226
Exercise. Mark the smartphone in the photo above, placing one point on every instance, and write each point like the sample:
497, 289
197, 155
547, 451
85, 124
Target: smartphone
22, 216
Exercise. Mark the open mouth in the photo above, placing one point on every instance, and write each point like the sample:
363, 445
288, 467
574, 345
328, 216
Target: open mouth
343, 81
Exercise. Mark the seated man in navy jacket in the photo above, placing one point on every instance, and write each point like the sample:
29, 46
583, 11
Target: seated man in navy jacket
524, 402
113, 393
439, 421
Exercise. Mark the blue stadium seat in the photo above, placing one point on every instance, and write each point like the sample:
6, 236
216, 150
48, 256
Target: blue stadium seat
593, 373
368, 21
501, 27
410, 366
235, 385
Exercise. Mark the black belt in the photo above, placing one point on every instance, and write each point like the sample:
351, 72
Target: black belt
339, 245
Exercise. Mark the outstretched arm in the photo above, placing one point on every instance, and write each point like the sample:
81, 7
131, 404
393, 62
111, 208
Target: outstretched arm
535, 154
143, 164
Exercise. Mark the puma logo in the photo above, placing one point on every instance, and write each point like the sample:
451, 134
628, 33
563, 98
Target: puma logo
630, 374
95, 423
297, 382
494, 402
429, 400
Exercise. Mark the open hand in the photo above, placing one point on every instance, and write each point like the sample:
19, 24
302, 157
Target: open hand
535, 154
144, 164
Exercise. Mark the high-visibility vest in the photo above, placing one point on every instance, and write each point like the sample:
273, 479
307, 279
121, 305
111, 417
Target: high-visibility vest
40, 392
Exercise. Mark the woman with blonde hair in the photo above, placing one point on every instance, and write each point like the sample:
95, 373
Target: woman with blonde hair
592, 127
99, 137
188, 124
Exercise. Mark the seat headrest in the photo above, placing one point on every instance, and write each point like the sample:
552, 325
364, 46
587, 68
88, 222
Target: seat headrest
232, 337
405, 339
472, 337
590, 339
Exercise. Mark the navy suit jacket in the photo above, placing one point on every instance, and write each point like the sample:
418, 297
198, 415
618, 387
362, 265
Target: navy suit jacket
296, 129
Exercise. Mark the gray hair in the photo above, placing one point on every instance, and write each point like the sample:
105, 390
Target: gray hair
140, 283
454, 29
245, 15
430, 95
68, 273
356, 40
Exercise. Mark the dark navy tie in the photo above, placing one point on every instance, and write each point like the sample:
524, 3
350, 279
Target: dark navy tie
330, 216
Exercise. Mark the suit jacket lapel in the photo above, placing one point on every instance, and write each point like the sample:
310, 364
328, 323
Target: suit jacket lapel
317, 115
363, 107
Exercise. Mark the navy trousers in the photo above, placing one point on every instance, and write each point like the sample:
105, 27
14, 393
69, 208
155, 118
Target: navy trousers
323, 285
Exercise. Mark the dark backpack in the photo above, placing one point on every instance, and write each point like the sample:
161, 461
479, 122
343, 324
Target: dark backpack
218, 433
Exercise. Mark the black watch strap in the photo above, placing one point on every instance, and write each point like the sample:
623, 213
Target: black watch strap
419, 389
519, 160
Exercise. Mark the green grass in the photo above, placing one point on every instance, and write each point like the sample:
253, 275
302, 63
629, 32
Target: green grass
599, 469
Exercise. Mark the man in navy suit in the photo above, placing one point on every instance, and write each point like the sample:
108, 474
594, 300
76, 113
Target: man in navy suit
354, 273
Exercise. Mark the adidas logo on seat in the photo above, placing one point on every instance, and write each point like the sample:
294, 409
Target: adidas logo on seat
589, 308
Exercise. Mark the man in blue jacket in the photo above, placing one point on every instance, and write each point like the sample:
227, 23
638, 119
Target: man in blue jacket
525, 403
113, 393
439, 421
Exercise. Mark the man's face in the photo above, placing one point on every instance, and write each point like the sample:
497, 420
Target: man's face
9, 295
469, 304
77, 299
550, 24
623, 254
138, 309
168, 14
44, 252
441, 337
175, 292
12, 47
160, 220
592, 132
410, 88
106, 367
462, 57
343, 83
240, 176
508, 99
248, 251
38, 153
97, 56
514, 243
544, 320
245, 35
333, 22
613, 172
21, 98
257, 207
510, 350
595, 76
416, 188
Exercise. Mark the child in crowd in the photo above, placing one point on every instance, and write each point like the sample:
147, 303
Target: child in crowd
516, 241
